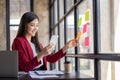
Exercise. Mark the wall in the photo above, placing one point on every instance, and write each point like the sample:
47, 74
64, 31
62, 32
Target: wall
2, 24
41, 8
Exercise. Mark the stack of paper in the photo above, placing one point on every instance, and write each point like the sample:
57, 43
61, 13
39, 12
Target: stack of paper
45, 74
21, 73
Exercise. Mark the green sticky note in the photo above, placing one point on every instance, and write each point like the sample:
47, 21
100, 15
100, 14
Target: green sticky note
79, 22
87, 15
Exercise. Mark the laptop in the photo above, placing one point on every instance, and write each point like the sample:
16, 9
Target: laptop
8, 63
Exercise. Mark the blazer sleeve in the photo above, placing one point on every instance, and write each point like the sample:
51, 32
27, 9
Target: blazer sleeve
55, 57
25, 64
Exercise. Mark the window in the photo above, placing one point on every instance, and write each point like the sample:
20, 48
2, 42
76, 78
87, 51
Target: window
67, 29
17, 8
109, 31
70, 29
97, 21
85, 26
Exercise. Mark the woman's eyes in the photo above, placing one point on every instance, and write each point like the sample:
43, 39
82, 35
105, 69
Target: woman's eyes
34, 25
31, 25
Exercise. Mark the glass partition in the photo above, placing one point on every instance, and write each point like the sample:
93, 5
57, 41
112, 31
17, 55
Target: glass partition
85, 26
70, 29
69, 4
86, 67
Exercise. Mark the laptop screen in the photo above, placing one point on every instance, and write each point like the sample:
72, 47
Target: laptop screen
8, 64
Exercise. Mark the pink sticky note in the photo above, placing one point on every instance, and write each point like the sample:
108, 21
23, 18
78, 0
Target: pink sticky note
85, 27
86, 41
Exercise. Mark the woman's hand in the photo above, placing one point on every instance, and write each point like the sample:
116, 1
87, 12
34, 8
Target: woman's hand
70, 44
45, 51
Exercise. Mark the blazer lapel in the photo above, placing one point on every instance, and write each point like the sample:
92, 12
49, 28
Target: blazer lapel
29, 49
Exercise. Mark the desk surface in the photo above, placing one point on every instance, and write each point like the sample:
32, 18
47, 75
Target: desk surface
72, 76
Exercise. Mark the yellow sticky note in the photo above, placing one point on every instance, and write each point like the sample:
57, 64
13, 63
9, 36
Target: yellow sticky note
79, 22
79, 35
87, 15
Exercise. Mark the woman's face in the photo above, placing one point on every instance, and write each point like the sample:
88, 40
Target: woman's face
32, 28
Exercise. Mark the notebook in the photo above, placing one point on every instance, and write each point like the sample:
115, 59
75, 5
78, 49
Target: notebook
8, 64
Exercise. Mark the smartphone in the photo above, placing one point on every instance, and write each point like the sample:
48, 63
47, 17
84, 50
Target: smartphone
54, 40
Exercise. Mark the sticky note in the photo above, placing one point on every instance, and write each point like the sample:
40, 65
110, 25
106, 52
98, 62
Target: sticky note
79, 35
86, 41
85, 27
87, 15
79, 22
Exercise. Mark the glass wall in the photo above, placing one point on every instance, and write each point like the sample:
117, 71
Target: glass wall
56, 12
70, 29
87, 67
96, 24
69, 4
66, 28
61, 5
85, 26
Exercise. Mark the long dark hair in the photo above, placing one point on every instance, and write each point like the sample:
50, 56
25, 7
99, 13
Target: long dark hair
27, 18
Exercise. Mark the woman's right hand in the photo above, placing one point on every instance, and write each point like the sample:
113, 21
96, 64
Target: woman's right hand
45, 51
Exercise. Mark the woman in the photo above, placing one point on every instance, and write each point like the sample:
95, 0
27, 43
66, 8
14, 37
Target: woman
32, 55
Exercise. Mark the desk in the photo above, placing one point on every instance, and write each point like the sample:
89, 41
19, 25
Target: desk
72, 76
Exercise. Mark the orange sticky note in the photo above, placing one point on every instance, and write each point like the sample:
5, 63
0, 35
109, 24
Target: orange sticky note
79, 35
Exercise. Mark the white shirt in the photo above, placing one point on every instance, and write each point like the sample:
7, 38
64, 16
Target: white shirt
35, 54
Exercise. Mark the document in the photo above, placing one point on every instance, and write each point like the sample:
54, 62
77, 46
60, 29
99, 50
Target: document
49, 72
21, 73
45, 73
34, 75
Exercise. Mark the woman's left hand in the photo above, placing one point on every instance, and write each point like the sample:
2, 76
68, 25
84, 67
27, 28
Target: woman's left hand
70, 44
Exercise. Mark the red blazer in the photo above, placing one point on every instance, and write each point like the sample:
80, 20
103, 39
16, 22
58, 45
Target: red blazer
26, 60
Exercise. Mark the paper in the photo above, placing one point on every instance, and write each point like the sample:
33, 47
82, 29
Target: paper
85, 27
54, 40
34, 75
79, 35
86, 42
45, 73
79, 22
87, 15
41, 77
49, 72
21, 73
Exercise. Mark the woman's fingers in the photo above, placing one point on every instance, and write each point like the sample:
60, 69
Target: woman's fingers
73, 43
49, 48
76, 42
